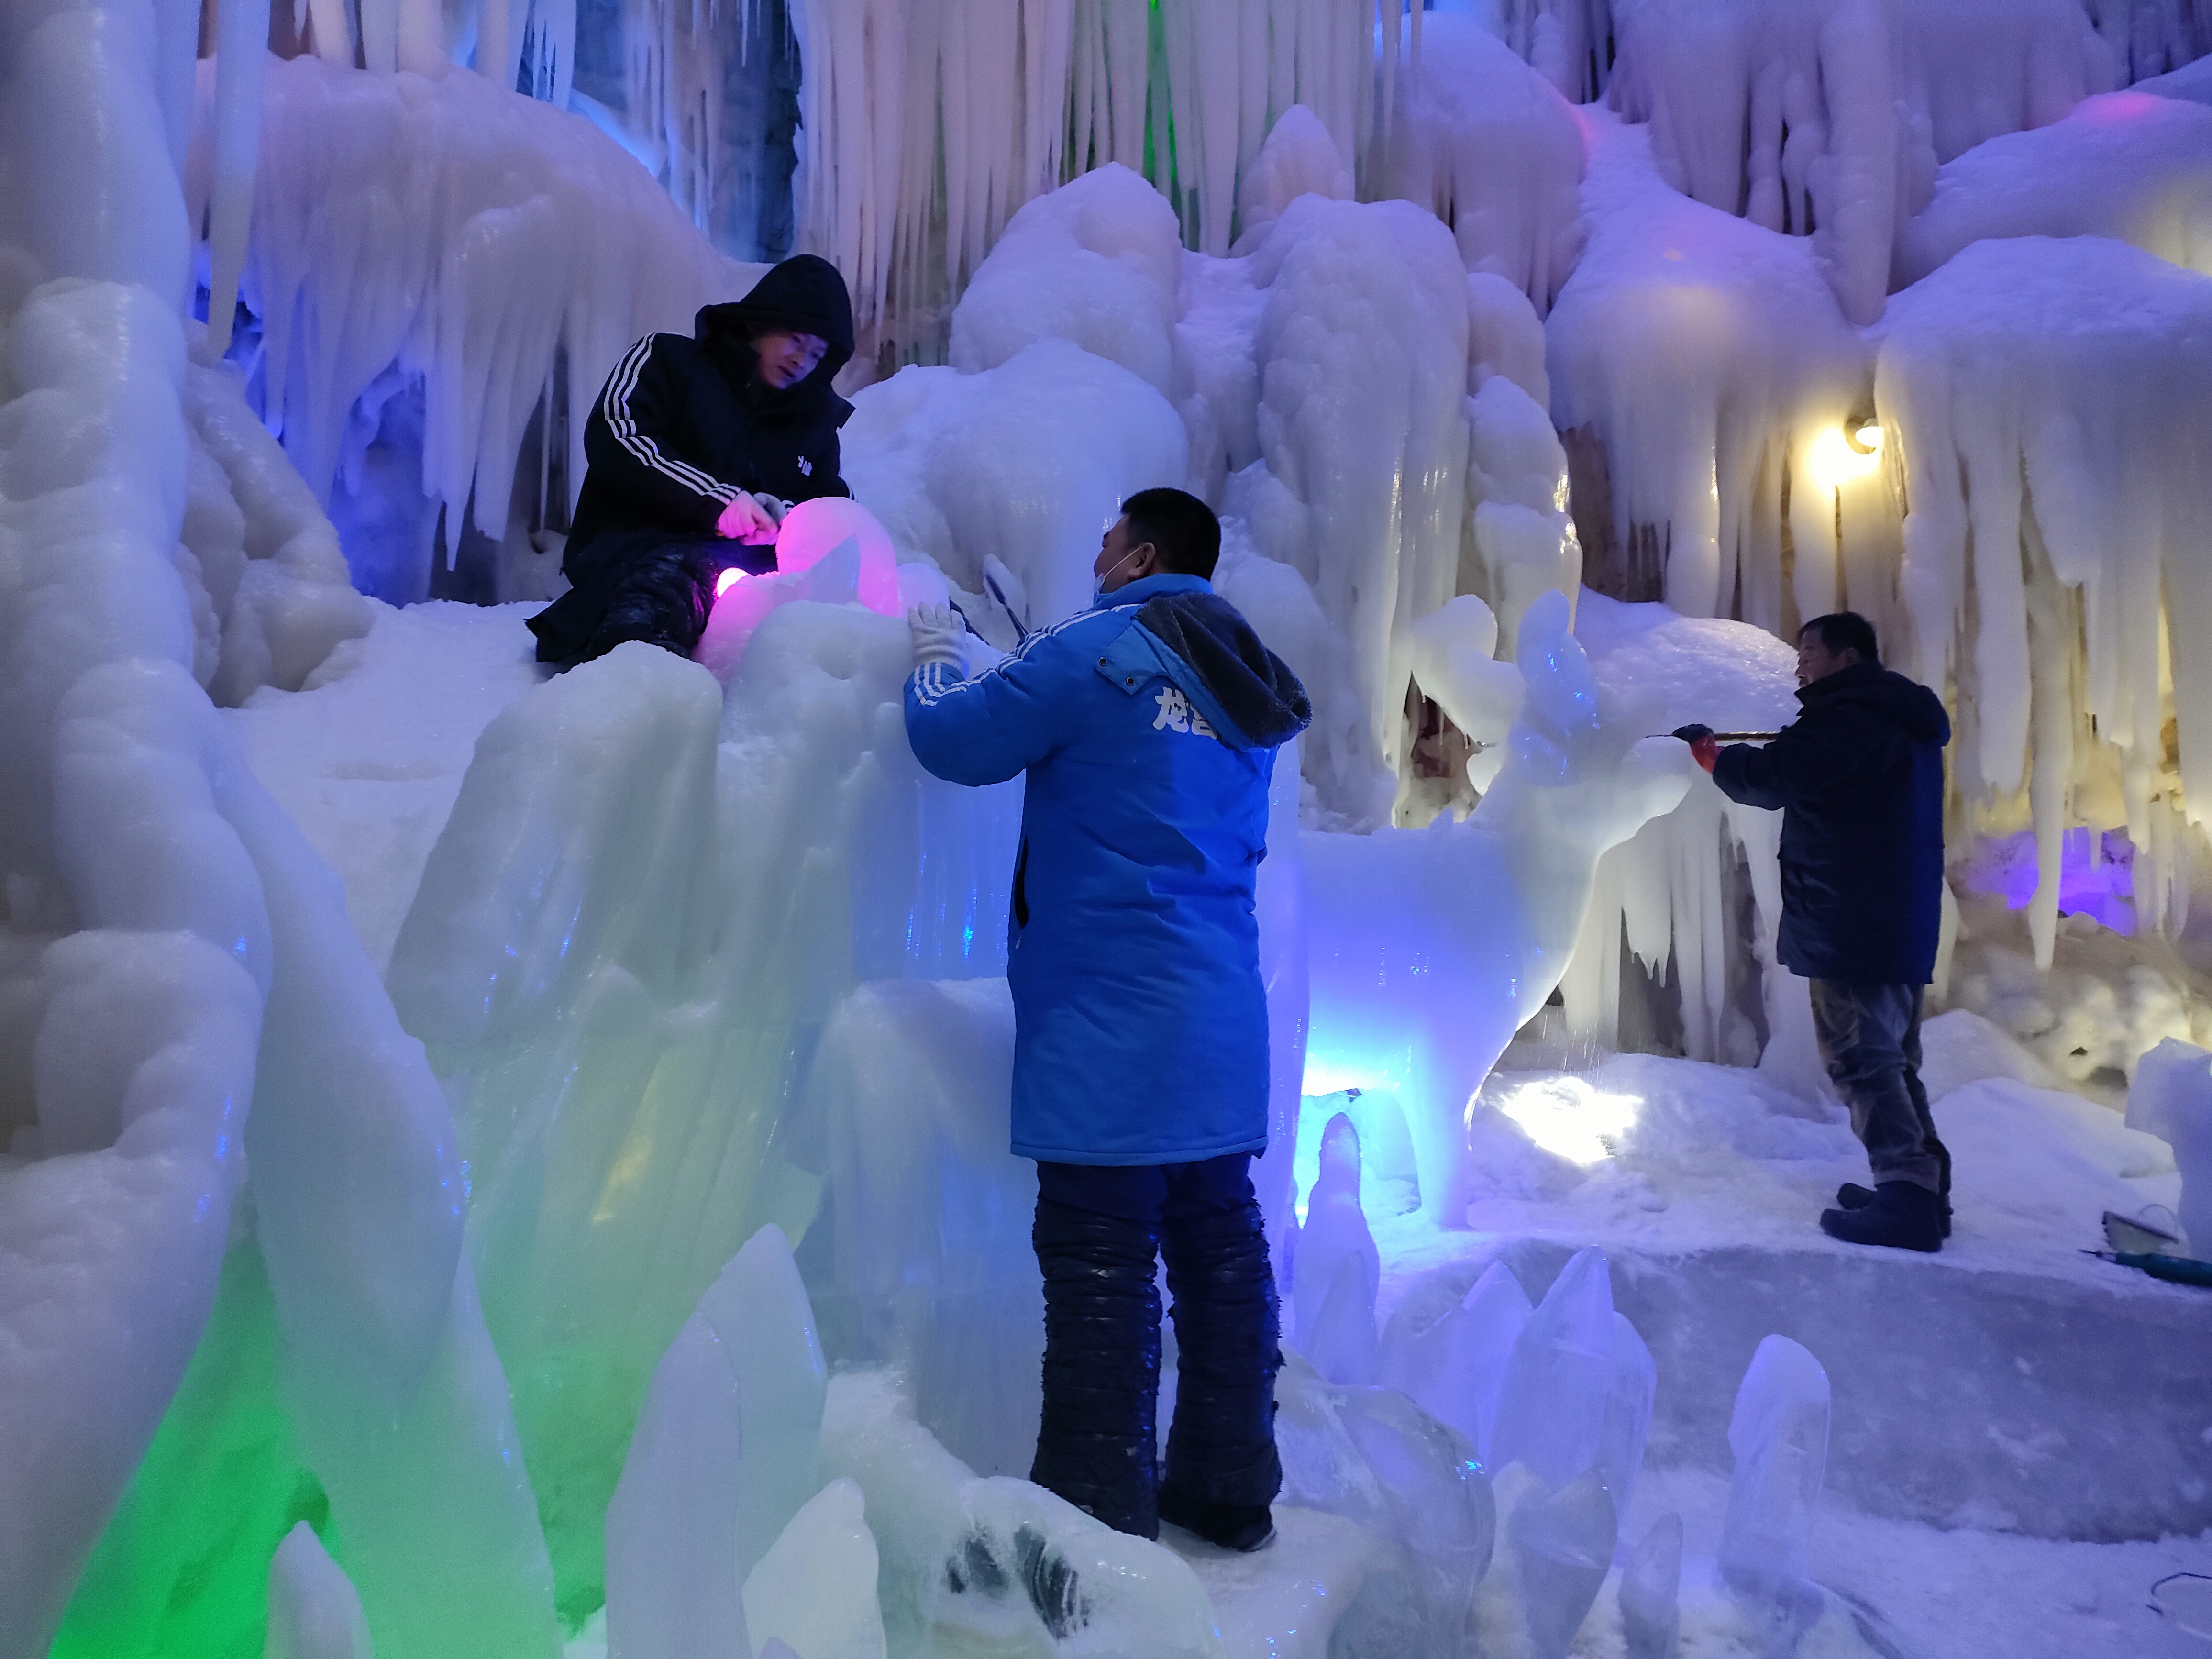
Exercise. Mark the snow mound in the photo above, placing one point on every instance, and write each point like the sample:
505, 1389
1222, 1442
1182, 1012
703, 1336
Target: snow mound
2126, 166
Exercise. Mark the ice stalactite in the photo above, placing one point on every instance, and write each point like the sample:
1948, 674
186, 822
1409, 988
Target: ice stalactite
2051, 405
2125, 165
1488, 146
2152, 37
924, 131
1829, 120
1568, 42
1704, 357
477, 297
241, 65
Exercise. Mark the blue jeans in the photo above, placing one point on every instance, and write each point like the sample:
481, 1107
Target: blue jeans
1869, 1037
1100, 1229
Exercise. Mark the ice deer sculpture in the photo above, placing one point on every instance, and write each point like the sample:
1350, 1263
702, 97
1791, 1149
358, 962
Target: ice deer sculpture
1430, 947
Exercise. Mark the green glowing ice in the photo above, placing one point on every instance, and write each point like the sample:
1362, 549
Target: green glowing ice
182, 1572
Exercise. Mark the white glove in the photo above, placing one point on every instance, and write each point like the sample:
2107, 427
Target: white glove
774, 506
745, 519
938, 635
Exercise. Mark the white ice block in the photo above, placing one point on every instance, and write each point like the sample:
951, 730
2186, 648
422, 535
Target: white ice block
1651, 1592
1562, 1545
1338, 1267
1779, 1434
725, 1452
2172, 1098
314, 1613
1551, 1410
1454, 1369
1632, 1380
816, 1587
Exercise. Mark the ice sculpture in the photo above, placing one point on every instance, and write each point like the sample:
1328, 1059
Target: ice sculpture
1455, 1368
996, 1564
725, 1452
1632, 1381
1338, 1269
1374, 1457
2172, 1098
1651, 1591
1431, 948
314, 1613
1562, 1541
1551, 1408
1779, 1434
815, 1589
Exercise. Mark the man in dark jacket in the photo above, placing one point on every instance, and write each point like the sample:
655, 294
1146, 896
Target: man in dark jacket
1858, 777
1147, 726
693, 448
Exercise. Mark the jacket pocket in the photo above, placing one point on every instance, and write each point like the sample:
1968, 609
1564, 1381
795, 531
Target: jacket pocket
1021, 897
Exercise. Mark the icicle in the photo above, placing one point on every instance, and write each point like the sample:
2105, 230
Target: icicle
243, 37
176, 45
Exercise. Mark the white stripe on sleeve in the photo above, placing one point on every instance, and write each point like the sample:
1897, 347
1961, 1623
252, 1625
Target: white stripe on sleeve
614, 406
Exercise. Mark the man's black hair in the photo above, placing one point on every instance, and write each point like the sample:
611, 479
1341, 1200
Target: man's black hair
1845, 630
1179, 525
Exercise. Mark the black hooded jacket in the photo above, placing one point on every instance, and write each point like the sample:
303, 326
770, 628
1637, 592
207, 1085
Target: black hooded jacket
682, 425
1858, 777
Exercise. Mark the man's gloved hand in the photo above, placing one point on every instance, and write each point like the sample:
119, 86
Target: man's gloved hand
938, 635
774, 506
1705, 747
745, 519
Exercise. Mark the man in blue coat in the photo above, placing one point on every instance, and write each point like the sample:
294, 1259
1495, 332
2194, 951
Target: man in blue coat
1859, 778
1147, 726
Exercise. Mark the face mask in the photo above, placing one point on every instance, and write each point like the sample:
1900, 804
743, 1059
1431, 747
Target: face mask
1099, 591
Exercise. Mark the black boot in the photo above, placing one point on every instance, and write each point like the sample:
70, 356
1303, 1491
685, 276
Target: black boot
1245, 1526
1902, 1216
1853, 1196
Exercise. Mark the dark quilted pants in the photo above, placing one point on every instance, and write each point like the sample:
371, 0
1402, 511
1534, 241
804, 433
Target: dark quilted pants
663, 596
1099, 1231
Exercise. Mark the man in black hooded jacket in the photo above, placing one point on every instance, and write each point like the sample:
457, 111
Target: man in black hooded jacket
1859, 778
693, 444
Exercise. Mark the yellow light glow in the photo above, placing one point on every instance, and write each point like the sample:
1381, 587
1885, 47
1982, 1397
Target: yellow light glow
1569, 1118
1834, 462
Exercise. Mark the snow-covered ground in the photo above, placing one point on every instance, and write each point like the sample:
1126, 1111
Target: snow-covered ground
1974, 1449
368, 756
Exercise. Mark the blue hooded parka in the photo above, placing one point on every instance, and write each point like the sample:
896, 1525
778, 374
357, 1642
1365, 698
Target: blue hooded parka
1147, 726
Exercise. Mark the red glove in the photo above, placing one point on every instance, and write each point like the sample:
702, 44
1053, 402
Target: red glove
1705, 747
